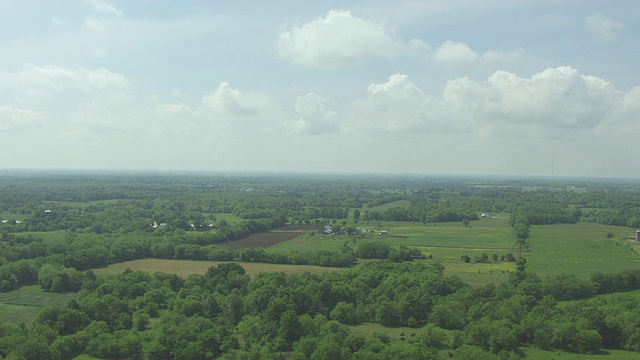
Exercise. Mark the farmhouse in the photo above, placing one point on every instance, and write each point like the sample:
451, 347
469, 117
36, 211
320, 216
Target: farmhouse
487, 214
328, 230
636, 237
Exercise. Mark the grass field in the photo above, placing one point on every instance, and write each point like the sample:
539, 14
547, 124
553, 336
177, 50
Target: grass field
185, 268
24, 304
230, 218
579, 249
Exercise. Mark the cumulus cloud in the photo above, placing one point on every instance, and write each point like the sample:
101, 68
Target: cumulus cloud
455, 53
460, 55
399, 106
338, 39
603, 28
227, 100
316, 118
17, 119
557, 97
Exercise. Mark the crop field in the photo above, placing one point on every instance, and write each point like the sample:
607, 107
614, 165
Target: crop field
264, 240
184, 268
24, 304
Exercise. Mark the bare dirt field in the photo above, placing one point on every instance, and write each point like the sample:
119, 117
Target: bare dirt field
264, 240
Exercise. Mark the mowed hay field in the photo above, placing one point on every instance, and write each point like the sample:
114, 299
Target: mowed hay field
184, 268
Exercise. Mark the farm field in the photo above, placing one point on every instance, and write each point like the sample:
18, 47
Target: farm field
393, 204
263, 316
265, 239
24, 304
579, 249
185, 268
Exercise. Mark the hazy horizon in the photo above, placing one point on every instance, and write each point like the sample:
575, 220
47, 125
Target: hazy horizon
434, 88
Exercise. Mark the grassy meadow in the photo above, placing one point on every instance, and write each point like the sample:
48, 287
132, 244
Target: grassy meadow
24, 304
580, 249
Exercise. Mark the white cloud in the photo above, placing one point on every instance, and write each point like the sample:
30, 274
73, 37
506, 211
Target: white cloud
399, 106
456, 54
556, 97
316, 118
17, 119
459, 55
230, 101
603, 28
172, 109
338, 39
34, 80
102, 6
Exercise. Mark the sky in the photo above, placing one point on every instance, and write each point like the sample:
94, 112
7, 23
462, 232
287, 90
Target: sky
433, 87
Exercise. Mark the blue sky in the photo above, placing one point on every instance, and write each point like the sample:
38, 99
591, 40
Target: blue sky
497, 87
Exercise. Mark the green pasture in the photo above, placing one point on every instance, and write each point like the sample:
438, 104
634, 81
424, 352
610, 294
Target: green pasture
633, 294
25, 303
580, 249
391, 205
229, 218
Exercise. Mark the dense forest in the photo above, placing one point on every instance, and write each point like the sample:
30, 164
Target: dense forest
110, 218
